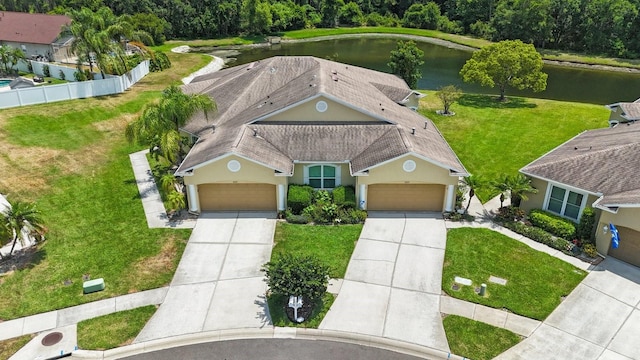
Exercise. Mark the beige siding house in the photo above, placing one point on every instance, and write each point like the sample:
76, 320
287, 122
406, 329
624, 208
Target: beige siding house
304, 120
597, 168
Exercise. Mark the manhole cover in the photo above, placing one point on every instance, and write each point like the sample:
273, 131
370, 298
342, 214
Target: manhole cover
52, 339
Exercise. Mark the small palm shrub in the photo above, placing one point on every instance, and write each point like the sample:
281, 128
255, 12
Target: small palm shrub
554, 224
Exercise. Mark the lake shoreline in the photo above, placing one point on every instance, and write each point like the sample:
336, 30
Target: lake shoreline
436, 41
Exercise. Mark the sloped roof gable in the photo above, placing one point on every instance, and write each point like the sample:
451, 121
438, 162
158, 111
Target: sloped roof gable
31, 28
255, 91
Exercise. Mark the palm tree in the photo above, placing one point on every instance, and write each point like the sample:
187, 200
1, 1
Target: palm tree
474, 183
160, 123
519, 187
22, 215
501, 185
176, 199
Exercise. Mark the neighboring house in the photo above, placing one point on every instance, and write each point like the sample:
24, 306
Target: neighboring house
623, 112
38, 35
597, 168
305, 120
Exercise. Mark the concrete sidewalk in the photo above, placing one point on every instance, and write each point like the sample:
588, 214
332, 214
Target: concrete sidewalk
65, 320
154, 209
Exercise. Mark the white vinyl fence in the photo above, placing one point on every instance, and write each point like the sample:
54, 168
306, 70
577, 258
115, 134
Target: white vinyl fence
40, 94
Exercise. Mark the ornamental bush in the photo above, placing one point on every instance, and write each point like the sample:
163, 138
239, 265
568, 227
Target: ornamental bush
299, 197
345, 196
297, 275
554, 224
584, 231
539, 235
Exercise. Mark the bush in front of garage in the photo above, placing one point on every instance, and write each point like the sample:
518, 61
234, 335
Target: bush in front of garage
323, 207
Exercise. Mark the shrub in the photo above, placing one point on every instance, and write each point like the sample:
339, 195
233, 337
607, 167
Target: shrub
322, 197
297, 219
554, 224
510, 213
298, 275
61, 75
539, 235
46, 71
299, 197
584, 230
590, 250
345, 196
159, 61
352, 216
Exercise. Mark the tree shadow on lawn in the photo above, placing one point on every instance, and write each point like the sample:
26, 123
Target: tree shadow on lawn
26, 258
491, 101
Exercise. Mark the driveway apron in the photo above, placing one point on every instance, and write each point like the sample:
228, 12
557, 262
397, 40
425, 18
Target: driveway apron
599, 320
218, 284
393, 283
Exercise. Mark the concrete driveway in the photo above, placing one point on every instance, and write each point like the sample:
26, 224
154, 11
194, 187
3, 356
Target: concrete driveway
393, 283
599, 320
218, 284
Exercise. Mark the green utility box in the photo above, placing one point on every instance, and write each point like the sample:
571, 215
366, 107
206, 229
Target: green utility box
92, 286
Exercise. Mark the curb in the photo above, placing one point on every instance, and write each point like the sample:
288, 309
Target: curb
269, 333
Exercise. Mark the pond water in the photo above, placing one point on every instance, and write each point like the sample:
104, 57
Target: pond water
442, 66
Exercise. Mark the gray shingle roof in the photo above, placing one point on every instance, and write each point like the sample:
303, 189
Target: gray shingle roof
603, 161
631, 110
247, 93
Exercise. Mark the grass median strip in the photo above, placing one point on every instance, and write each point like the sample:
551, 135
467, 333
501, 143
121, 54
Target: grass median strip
536, 282
113, 330
477, 340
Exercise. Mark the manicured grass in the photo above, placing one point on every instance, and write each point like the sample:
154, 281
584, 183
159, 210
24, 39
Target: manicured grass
535, 281
279, 317
477, 340
97, 227
492, 138
71, 130
458, 39
11, 346
332, 244
113, 330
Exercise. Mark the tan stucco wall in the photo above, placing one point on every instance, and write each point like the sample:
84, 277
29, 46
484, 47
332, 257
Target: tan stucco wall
250, 172
535, 201
627, 217
392, 172
307, 112
345, 175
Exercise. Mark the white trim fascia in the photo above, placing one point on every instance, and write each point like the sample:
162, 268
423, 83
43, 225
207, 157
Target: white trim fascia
413, 92
360, 110
596, 204
557, 183
202, 164
411, 153
321, 162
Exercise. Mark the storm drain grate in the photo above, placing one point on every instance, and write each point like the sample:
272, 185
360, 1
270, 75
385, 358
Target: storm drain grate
52, 339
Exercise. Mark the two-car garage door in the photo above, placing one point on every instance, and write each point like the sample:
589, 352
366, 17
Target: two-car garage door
405, 197
215, 197
628, 247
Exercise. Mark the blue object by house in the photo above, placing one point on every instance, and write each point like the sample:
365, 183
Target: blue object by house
615, 238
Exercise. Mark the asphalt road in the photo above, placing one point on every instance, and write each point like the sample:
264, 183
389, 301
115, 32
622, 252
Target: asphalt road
273, 349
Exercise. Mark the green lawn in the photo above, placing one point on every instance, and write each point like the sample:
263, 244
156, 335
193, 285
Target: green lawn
535, 281
279, 317
332, 244
113, 330
11, 346
97, 227
477, 340
492, 138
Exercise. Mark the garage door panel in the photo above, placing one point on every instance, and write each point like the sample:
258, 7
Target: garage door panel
407, 197
629, 246
214, 197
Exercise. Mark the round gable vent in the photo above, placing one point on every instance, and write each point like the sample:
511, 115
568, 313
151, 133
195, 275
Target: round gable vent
234, 165
322, 106
409, 166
